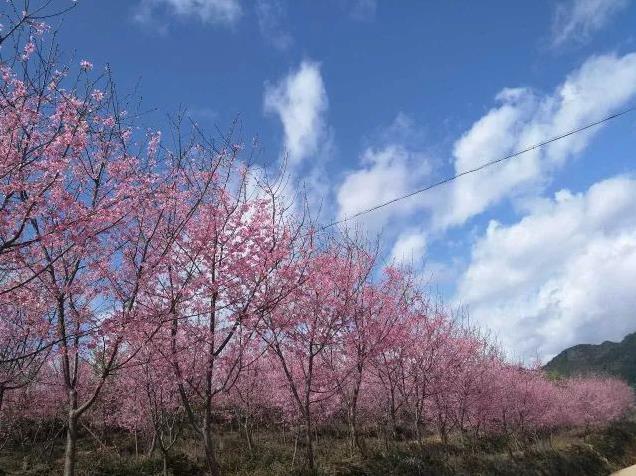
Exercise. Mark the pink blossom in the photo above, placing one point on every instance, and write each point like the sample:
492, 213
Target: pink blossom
29, 48
97, 95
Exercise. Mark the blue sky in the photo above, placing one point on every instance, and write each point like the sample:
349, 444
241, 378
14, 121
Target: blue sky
370, 99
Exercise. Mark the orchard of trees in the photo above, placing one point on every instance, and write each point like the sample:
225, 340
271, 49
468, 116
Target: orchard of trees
158, 284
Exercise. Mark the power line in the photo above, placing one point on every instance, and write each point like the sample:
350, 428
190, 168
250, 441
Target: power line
476, 169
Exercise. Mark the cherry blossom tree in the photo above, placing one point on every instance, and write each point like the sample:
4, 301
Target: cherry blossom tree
306, 332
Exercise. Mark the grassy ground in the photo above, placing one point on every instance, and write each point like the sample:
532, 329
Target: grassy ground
575, 453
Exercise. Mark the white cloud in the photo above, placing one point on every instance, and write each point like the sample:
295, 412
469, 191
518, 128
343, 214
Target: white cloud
523, 118
577, 20
409, 248
393, 166
383, 175
207, 11
300, 101
562, 275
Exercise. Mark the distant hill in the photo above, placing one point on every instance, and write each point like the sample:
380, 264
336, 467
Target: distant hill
618, 359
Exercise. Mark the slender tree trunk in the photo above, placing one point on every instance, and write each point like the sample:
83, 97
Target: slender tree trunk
354, 434
418, 423
248, 435
309, 442
71, 442
164, 457
1, 400
295, 449
208, 443
385, 433
393, 415
356, 441
352, 431
205, 430
442, 430
153, 444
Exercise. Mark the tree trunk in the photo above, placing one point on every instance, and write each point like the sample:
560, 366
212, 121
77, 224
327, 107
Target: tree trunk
353, 416
352, 431
71, 444
392, 412
208, 443
153, 444
442, 431
418, 424
385, 433
310, 443
248, 435
164, 457
354, 434
1, 399
295, 449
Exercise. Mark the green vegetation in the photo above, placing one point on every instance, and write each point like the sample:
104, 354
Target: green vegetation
611, 358
595, 452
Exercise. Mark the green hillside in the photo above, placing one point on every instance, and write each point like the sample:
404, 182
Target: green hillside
618, 359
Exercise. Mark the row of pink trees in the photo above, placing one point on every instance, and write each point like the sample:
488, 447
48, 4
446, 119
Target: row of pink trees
107, 245
148, 285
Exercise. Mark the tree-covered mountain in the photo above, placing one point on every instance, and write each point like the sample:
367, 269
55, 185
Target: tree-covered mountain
613, 358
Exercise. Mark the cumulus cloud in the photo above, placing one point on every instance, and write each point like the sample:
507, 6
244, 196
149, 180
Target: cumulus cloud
562, 275
383, 174
409, 248
223, 12
577, 20
523, 118
300, 102
394, 165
